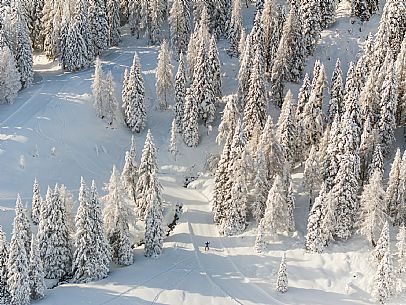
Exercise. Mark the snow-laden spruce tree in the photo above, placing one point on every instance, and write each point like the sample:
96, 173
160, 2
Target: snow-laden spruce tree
111, 104
372, 208
99, 27
136, 18
336, 92
311, 23
360, 9
23, 49
302, 100
261, 185
35, 203
401, 247
289, 61
164, 75
394, 15
4, 252
90, 261
214, 63
402, 189
286, 132
260, 244
179, 26
344, 196
18, 283
383, 243
384, 279
282, 278
276, 212
392, 195
180, 93
389, 99
320, 225
236, 214
312, 175
133, 96
113, 21
228, 119
36, 271
234, 28
327, 12
148, 166
256, 105
221, 182
98, 89
202, 86
401, 78
24, 225
376, 162
156, 18
75, 55
9, 76
244, 72
154, 233
67, 202
129, 174
117, 217
272, 30
173, 149
53, 236
190, 127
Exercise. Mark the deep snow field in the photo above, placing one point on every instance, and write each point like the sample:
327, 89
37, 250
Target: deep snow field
52, 132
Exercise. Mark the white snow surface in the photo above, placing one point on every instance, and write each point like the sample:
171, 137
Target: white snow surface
53, 127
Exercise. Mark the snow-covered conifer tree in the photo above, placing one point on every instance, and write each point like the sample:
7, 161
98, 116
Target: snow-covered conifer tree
327, 12
84, 30
202, 87
4, 252
67, 202
372, 207
53, 236
190, 127
261, 185
360, 9
286, 132
331, 160
401, 247
76, 54
99, 27
259, 245
154, 233
384, 279
9, 76
117, 216
164, 75
180, 92
244, 72
89, 262
228, 119
133, 97
311, 175
18, 283
172, 143
24, 225
336, 92
401, 78
113, 21
98, 89
302, 100
389, 98
136, 18
36, 201
214, 63
129, 174
272, 30
311, 23
382, 245
36, 271
255, 109
393, 205
179, 26
344, 196
376, 162
111, 104
148, 166
155, 21
234, 28
282, 278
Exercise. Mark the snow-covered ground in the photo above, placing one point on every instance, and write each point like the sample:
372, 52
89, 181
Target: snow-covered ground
52, 133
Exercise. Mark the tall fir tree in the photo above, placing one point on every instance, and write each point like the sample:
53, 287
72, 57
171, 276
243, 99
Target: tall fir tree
164, 75
98, 89
392, 195
9, 76
311, 23
99, 27
36, 271
117, 217
35, 203
4, 253
190, 127
282, 277
53, 236
336, 92
129, 174
179, 26
311, 175
214, 63
401, 78
401, 247
173, 149
384, 279
133, 96
113, 21
382, 245
234, 28
228, 119
180, 93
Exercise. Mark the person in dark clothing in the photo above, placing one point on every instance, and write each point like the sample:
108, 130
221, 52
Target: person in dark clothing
206, 248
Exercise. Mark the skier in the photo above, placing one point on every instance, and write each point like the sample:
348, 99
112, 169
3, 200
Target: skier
206, 248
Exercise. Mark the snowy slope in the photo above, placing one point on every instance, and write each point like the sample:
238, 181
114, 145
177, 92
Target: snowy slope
52, 133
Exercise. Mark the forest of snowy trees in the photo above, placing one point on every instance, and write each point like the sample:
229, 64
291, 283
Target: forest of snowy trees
339, 130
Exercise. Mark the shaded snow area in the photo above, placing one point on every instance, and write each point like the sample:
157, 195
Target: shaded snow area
52, 132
